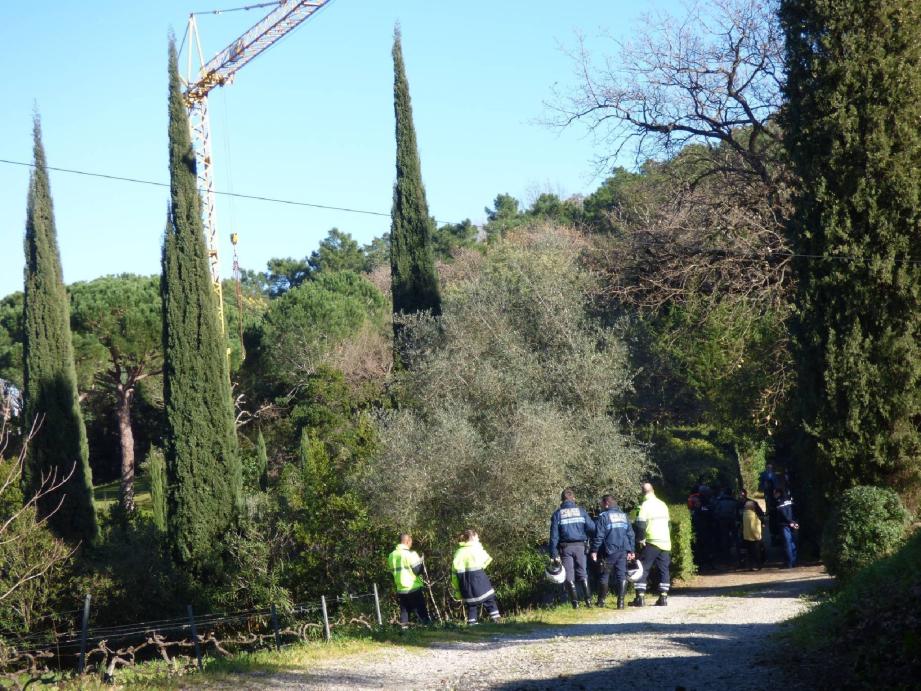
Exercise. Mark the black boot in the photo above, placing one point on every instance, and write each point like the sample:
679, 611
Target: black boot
586, 593
640, 599
663, 600
621, 594
573, 597
602, 593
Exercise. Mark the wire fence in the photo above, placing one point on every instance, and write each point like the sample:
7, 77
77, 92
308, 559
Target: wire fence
67, 645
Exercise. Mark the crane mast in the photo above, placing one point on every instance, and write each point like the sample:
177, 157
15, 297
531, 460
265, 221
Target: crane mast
218, 71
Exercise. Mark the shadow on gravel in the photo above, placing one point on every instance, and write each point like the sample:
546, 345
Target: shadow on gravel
791, 588
695, 656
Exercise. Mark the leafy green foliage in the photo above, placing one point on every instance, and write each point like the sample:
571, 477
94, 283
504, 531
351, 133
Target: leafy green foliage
866, 523
689, 456
866, 635
682, 555
50, 378
337, 252
202, 459
414, 283
854, 100
12, 337
156, 467
304, 325
507, 404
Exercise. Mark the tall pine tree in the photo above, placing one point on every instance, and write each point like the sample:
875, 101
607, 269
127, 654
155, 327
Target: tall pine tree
202, 459
412, 261
60, 449
852, 130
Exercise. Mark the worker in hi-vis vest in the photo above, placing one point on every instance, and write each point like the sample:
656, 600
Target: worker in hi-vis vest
406, 567
654, 536
468, 576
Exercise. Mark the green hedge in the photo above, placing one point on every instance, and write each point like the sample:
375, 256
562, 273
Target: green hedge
682, 567
868, 634
867, 523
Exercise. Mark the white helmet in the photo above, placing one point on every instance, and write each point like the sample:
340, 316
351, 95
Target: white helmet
634, 570
555, 573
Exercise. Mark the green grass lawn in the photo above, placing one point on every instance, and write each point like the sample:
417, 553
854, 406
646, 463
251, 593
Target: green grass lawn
106, 494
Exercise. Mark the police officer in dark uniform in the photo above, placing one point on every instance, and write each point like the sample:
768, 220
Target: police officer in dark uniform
570, 528
614, 532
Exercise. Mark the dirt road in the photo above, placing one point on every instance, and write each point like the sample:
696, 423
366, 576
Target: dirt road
715, 635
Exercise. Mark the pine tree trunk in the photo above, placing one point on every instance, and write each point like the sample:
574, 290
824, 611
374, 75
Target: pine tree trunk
123, 413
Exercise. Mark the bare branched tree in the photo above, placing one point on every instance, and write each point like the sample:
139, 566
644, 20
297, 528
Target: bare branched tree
28, 552
713, 77
695, 100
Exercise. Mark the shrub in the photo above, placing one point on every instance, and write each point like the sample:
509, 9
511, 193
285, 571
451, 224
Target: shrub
682, 566
856, 639
867, 523
517, 401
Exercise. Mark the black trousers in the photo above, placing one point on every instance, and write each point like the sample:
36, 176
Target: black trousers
573, 556
490, 604
413, 602
615, 563
653, 556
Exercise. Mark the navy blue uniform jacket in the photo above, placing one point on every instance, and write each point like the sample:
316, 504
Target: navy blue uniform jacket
613, 530
570, 523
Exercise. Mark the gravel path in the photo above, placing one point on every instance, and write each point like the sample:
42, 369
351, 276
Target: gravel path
713, 635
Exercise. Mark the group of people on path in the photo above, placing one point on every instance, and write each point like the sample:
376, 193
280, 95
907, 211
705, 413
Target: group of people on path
469, 581
729, 529
611, 541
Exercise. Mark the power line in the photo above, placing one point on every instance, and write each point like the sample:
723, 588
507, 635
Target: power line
239, 195
238, 9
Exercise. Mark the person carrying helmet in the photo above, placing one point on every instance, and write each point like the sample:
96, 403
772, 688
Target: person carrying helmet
406, 567
654, 537
469, 580
783, 502
614, 532
570, 529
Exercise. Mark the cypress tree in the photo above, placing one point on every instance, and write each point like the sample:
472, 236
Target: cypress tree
412, 262
851, 127
202, 459
156, 467
50, 379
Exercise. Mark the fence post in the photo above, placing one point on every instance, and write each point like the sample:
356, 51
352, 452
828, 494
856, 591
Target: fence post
81, 664
275, 627
377, 606
195, 637
325, 617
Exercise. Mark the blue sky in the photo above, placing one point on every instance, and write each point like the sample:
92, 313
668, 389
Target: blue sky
310, 120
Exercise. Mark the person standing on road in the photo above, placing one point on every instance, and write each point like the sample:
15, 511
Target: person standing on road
613, 532
767, 483
468, 577
751, 535
570, 529
787, 524
653, 535
406, 567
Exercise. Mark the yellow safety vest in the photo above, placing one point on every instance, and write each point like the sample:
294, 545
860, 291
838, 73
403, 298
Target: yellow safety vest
654, 512
401, 562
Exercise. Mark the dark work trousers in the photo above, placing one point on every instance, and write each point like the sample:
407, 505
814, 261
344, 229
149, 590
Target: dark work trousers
413, 602
653, 556
753, 554
789, 543
573, 556
615, 563
489, 604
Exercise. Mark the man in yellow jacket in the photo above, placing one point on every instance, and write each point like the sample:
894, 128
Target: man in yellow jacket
406, 567
654, 535
468, 576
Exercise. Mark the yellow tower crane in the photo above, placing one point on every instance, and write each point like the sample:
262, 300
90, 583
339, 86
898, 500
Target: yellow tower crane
286, 16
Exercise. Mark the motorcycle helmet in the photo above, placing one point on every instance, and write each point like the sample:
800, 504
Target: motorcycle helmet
555, 573
634, 570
